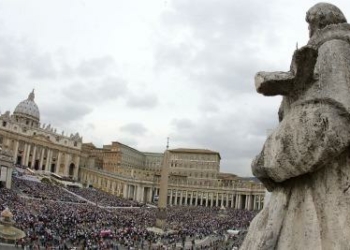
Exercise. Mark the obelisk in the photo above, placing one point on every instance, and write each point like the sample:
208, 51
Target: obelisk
163, 191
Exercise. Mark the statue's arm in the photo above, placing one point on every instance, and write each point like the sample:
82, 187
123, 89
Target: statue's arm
308, 138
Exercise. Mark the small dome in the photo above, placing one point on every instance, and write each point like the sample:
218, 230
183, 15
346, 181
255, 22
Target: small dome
6, 213
28, 108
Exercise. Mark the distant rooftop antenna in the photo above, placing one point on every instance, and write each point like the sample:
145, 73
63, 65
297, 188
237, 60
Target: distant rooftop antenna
296, 46
167, 143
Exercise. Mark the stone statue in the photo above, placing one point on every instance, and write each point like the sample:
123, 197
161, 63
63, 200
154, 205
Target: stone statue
305, 161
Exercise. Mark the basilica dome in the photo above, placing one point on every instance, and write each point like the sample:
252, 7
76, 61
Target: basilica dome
27, 111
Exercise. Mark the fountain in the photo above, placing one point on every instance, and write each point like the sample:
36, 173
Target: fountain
7, 231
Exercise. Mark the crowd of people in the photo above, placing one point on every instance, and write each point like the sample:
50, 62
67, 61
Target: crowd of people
53, 220
103, 198
44, 191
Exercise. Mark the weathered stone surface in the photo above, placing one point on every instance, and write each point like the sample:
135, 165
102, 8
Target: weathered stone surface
305, 162
274, 83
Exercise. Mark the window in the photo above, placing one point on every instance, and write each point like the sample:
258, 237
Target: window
4, 124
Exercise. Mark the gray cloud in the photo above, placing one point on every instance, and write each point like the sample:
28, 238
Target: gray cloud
8, 83
41, 66
208, 106
215, 44
101, 90
10, 52
145, 101
89, 68
134, 129
95, 66
130, 141
64, 112
183, 124
22, 57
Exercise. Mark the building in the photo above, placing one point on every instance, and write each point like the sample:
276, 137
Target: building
194, 180
37, 146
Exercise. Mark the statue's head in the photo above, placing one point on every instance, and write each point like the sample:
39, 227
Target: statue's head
323, 14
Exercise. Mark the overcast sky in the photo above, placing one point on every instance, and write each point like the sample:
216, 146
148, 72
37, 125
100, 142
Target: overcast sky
139, 71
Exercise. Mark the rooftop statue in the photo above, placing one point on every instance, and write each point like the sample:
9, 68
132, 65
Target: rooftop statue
305, 161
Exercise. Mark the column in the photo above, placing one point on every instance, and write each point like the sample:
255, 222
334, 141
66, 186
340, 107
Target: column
76, 169
27, 154
233, 200
175, 202
66, 164
108, 185
250, 203
207, 199
48, 160
41, 161
250, 206
201, 199
58, 162
212, 199
139, 195
181, 197
239, 204
131, 191
171, 197
16, 152
113, 188
217, 199
191, 198
150, 194
125, 191
186, 196
259, 202
23, 160
247, 198
8, 182
34, 155
196, 198
227, 200
239, 201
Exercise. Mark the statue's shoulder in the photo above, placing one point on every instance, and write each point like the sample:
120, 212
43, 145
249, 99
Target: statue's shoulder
334, 31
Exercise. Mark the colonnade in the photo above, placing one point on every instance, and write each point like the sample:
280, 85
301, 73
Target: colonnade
144, 191
216, 198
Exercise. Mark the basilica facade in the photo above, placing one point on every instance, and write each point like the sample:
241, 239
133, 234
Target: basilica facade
36, 146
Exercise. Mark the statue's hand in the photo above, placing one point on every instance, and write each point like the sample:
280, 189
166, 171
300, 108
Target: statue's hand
259, 172
258, 166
